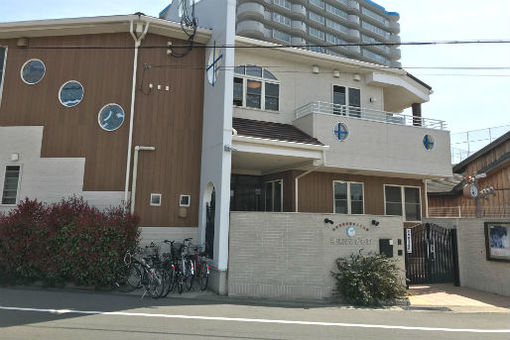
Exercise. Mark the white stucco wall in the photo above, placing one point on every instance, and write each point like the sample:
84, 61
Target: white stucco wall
46, 179
299, 86
380, 147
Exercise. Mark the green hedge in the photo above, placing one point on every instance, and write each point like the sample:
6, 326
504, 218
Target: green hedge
368, 280
64, 242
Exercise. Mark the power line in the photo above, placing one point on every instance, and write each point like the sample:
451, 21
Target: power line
280, 46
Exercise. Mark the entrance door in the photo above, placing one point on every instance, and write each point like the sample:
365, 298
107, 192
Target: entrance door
209, 225
431, 254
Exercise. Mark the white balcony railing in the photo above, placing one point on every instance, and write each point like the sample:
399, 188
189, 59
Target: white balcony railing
368, 114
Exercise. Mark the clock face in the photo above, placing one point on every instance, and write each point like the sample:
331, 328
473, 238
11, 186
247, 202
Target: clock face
111, 117
473, 191
351, 231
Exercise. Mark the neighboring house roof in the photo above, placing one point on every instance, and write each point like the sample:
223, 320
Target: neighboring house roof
272, 131
445, 186
459, 168
452, 186
96, 25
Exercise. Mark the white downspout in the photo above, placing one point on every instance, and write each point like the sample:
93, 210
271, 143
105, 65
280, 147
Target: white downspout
138, 42
135, 173
426, 188
296, 180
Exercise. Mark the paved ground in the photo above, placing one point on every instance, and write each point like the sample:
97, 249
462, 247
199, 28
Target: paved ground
458, 299
57, 314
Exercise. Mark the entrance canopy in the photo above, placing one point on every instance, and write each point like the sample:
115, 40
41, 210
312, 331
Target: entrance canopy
262, 148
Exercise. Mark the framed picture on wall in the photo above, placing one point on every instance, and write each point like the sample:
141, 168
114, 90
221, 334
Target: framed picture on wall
497, 241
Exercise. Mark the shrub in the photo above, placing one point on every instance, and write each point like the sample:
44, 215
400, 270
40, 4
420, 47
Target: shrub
368, 280
68, 241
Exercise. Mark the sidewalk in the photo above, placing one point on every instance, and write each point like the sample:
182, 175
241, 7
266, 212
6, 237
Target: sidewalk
457, 299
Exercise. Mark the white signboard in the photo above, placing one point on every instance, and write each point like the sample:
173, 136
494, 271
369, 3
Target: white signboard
409, 241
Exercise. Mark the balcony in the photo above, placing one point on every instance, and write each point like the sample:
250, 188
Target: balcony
368, 114
365, 141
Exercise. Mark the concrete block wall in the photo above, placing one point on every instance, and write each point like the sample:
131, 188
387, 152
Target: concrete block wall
475, 270
291, 255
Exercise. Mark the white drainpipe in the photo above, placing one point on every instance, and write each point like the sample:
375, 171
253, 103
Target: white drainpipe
296, 183
426, 189
135, 173
138, 42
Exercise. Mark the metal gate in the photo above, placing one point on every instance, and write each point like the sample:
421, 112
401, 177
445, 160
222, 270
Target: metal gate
431, 254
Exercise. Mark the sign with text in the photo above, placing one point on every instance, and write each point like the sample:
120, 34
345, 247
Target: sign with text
409, 241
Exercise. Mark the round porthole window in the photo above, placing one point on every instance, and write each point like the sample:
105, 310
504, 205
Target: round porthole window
71, 93
33, 71
111, 117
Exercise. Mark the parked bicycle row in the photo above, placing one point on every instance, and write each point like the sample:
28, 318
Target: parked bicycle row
164, 267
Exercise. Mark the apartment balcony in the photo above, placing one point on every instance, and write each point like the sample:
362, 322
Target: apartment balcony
394, 27
250, 10
250, 28
368, 114
366, 141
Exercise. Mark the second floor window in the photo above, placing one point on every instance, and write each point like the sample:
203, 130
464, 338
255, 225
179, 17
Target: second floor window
255, 87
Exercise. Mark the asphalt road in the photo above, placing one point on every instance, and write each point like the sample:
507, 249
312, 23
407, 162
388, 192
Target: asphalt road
42, 314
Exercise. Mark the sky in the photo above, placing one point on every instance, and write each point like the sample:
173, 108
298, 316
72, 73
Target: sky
465, 99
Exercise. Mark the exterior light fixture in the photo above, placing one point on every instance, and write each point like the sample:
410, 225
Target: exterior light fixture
315, 69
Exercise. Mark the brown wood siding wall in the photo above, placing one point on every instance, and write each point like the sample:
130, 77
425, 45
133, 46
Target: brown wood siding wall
170, 121
494, 206
316, 191
74, 132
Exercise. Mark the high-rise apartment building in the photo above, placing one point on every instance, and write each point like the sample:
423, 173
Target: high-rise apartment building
324, 22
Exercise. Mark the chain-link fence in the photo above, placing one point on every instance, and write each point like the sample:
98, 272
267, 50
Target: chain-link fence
464, 144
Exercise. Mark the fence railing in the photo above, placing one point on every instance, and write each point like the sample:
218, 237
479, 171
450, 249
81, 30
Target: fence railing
470, 211
368, 114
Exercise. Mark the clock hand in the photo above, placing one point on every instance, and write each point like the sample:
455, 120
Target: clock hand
109, 115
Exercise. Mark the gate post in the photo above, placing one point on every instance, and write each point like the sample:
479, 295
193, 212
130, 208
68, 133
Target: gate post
455, 253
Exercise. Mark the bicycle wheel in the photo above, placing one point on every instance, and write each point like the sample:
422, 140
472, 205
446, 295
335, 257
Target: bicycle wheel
134, 278
172, 283
155, 284
166, 282
188, 275
203, 278
124, 278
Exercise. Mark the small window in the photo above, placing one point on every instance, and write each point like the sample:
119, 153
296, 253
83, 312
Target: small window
33, 71
255, 71
11, 184
71, 93
111, 117
184, 200
348, 198
403, 201
155, 200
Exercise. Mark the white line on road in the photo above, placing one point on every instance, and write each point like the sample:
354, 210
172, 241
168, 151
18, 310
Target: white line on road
285, 322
